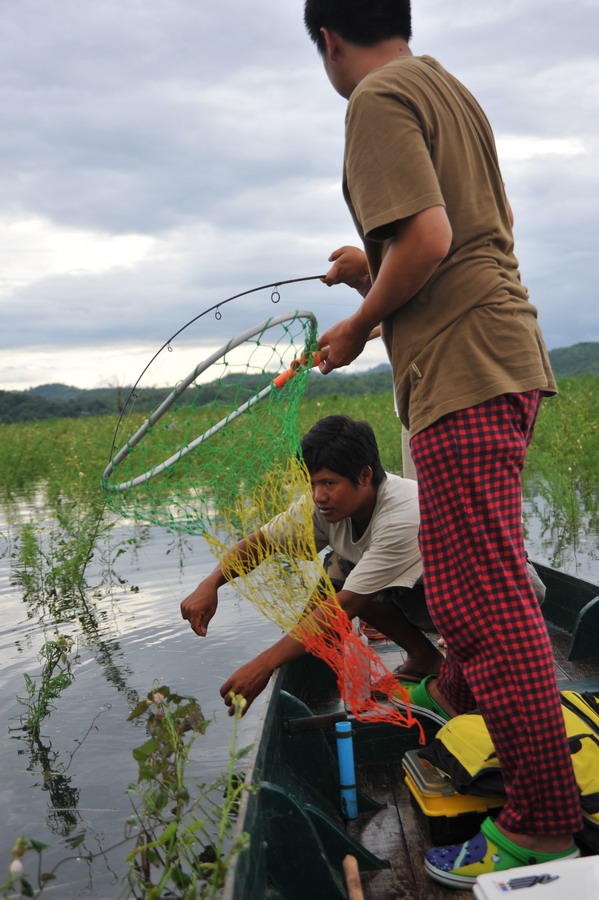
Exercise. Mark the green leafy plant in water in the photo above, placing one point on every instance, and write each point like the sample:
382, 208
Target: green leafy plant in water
49, 564
45, 689
28, 565
55, 567
18, 878
19, 882
184, 835
183, 830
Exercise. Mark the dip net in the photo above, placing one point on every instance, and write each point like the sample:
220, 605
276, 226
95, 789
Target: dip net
220, 457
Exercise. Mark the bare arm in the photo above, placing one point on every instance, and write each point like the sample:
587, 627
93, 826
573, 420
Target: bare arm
250, 679
199, 607
421, 243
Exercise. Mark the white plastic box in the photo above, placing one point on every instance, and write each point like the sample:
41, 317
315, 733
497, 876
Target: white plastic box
572, 879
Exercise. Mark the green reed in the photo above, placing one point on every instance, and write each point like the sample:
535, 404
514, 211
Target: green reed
44, 689
561, 479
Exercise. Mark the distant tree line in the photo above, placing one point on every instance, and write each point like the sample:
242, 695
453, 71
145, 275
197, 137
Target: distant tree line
51, 401
61, 401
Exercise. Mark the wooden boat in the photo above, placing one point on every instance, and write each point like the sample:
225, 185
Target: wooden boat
298, 839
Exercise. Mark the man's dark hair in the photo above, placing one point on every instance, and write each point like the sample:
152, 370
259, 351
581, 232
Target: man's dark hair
344, 446
361, 22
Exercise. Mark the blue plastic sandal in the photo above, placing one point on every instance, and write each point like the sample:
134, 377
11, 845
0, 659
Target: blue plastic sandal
459, 865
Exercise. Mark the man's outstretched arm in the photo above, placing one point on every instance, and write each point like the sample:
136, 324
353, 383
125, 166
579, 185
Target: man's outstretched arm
199, 607
250, 679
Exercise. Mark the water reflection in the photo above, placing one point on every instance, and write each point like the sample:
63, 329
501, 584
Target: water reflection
62, 816
129, 634
561, 520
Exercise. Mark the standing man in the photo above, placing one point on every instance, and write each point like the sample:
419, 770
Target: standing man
422, 182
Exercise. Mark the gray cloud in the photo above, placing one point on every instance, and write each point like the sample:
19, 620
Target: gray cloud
211, 130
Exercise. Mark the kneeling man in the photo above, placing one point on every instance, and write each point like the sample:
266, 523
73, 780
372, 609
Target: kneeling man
370, 520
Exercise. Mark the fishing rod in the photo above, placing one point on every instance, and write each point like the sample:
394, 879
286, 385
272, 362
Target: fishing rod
275, 297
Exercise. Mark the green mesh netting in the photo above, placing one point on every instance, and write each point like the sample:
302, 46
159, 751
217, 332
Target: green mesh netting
211, 442
219, 458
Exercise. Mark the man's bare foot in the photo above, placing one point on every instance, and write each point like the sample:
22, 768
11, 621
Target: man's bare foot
420, 665
542, 843
436, 694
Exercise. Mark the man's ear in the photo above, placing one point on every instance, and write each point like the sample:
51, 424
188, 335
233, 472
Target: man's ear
365, 477
331, 43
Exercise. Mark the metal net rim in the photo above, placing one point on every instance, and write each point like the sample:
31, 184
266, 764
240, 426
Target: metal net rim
182, 386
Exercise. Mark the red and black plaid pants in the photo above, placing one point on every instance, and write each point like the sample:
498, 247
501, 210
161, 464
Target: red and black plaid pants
480, 597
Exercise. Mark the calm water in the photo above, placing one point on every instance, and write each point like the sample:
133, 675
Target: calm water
126, 641
129, 636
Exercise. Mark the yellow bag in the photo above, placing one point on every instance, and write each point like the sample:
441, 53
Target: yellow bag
463, 750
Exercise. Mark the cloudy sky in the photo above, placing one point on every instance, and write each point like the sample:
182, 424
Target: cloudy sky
159, 156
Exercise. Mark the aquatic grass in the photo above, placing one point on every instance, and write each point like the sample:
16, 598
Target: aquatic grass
566, 438
63, 456
61, 460
67, 456
50, 563
58, 463
561, 478
27, 567
44, 689
183, 832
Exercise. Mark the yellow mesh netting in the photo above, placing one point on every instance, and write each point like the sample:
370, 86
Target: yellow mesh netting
220, 459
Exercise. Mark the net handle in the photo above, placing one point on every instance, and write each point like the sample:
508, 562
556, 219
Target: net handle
311, 359
308, 358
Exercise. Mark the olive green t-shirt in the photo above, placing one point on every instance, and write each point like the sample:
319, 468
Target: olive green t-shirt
416, 138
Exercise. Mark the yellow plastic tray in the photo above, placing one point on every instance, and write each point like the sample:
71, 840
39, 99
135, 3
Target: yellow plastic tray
452, 804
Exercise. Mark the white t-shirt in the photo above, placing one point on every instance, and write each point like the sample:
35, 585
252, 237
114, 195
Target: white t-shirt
386, 555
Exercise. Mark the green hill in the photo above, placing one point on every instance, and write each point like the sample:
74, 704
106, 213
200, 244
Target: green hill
58, 392
580, 359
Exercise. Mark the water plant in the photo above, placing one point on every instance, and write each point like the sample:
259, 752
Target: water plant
182, 828
561, 486
63, 457
184, 843
17, 878
42, 691
51, 564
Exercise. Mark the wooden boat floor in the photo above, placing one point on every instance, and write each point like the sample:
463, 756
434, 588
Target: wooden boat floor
395, 832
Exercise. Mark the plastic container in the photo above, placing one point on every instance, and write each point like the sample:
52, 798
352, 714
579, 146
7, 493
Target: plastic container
577, 878
446, 816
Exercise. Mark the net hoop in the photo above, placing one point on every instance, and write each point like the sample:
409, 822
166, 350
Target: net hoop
306, 359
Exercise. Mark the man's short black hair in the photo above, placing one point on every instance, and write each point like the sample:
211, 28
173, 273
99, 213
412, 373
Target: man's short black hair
344, 446
361, 22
